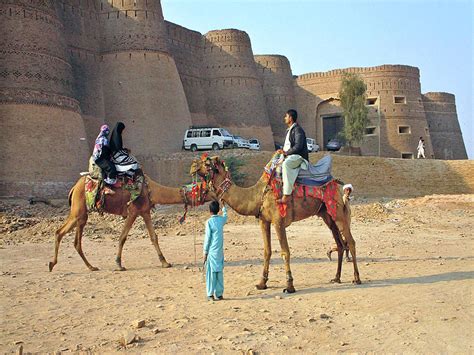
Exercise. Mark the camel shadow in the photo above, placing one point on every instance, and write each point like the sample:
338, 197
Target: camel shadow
420, 280
306, 260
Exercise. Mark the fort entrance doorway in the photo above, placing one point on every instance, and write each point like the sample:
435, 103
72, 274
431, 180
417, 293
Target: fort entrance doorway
332, 125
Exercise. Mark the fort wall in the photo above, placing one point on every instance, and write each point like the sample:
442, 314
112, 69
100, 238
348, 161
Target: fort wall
187, 49
40, 121
275, 72
67, 66
143, 88
235, 95
82, 32
444, 129
396, 92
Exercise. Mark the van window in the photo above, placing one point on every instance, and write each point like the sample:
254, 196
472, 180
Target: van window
189, 134
215, 132
195, 134
206, 133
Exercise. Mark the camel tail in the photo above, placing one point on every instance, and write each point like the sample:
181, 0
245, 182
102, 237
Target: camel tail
69, 196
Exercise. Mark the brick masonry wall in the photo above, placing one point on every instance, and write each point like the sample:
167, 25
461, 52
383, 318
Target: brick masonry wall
41, 126
235, 96
383, 83
445, 131
371, 176
275, 71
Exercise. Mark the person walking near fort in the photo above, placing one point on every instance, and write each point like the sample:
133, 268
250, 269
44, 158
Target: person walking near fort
214, 252
421, 148
295, 151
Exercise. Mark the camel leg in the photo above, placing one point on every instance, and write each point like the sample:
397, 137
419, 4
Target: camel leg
352, 248
285, 253
154, 239
344, 227
78, 242
60, 233
267, 253
123, 237
348, 258
339, 245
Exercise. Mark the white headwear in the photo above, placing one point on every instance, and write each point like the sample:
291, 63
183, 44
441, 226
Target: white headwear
348, 186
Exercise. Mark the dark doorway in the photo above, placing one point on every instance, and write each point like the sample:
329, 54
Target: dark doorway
332, 125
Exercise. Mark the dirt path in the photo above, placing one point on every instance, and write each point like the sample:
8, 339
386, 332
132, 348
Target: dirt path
415, 256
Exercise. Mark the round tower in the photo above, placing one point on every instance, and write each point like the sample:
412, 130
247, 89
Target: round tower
393, 98
43, 138
186, 47
141, 84
82, 32
446, 135
235, 94
278, 90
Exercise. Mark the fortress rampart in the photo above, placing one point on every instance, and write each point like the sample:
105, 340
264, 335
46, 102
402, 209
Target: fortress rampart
395, 99
143, 87
444, 129
235, 96
68, 66
275, 72
39, 115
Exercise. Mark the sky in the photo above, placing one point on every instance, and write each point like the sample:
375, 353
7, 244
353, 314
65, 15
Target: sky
316, 35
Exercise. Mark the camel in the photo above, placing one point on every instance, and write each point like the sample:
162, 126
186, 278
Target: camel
117, 203
258, 200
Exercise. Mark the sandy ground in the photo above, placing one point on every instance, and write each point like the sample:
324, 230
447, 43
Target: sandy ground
415, 258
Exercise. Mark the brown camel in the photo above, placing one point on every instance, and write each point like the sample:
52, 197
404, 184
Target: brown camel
152, 193
258, 200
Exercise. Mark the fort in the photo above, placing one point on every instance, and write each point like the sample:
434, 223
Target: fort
68, 66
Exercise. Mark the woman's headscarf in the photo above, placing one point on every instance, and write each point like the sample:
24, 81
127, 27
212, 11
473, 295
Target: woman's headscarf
101, 141
116, 142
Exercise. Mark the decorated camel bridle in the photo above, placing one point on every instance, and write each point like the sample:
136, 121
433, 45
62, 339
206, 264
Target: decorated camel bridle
212, 168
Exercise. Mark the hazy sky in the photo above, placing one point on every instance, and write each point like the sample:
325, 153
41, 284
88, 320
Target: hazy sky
435, 36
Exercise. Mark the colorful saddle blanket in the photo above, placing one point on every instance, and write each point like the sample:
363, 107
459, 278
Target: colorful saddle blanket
318, 183
95, 196
309, 174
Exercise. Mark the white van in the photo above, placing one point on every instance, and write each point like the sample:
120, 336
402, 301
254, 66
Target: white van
312, 145
214, 138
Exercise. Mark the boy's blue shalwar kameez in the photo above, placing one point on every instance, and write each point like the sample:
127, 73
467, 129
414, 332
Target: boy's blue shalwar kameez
214, 248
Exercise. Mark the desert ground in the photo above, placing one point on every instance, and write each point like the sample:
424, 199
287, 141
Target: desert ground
416, 261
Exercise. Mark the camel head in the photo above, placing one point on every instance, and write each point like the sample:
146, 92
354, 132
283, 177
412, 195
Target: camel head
213, 170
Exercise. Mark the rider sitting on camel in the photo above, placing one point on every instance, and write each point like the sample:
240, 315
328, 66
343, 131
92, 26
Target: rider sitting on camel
295, 151
101, 156
124, 162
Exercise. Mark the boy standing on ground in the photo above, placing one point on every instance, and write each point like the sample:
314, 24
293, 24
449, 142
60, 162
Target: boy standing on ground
214, 252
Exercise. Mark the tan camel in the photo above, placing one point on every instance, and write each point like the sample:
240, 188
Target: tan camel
152, 193
258, 200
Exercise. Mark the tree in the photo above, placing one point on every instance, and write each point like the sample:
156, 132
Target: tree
353, 101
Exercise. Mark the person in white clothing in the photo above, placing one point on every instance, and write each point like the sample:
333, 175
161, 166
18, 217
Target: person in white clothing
421, 148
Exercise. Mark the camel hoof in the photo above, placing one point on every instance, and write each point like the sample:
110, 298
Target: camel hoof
51, 265
329, 255
289, 290
93, 268
261, 286
165, 265
336, 281
121, 268
348, 260
358, 282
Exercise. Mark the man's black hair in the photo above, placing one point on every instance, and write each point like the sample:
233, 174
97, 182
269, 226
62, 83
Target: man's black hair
293, 114
214, 207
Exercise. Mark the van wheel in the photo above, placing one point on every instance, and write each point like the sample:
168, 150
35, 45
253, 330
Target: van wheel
215, 146
194, 147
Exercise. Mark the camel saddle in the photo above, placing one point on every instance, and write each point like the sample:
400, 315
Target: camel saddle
309, 175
